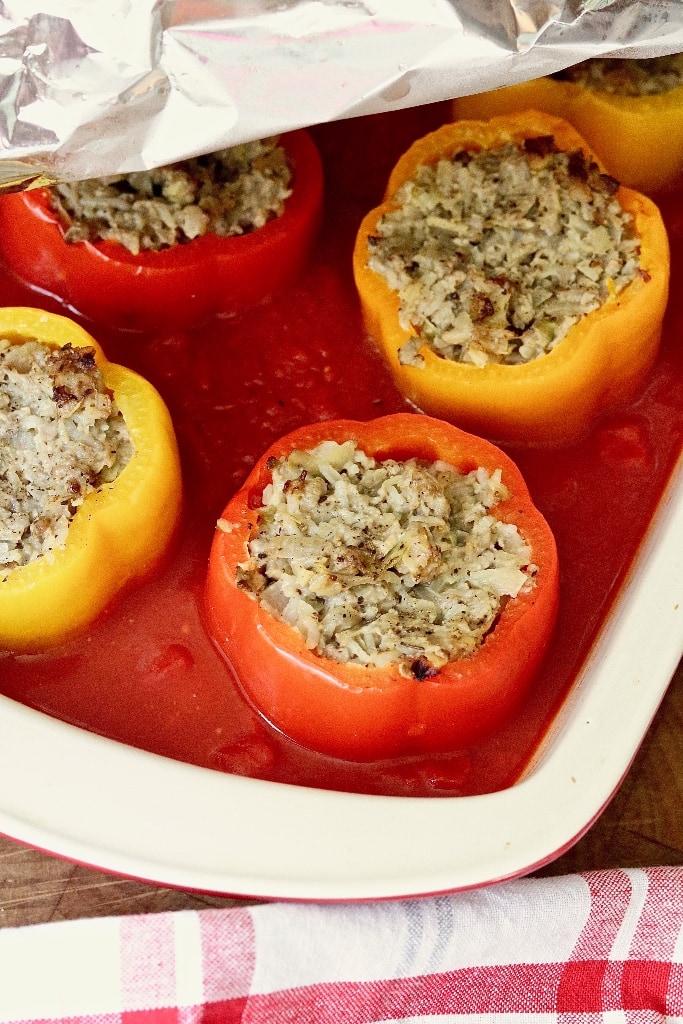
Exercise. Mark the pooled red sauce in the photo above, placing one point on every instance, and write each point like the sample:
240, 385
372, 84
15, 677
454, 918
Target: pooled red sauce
147, 674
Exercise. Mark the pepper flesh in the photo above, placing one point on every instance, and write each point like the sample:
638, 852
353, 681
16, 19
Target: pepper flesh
638, 138
555, 399
121, 531
178, 286
349, 710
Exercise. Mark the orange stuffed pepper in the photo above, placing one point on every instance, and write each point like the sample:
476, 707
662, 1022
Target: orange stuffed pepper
513, 287
629, 111
383, 588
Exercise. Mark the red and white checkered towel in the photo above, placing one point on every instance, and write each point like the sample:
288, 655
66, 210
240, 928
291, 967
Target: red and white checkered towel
604, 946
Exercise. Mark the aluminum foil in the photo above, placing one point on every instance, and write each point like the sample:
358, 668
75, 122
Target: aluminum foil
95, 88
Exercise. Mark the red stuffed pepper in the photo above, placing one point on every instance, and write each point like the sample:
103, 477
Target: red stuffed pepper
176, 285
383, 588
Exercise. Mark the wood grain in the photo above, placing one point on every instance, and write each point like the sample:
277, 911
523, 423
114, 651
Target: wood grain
642, 826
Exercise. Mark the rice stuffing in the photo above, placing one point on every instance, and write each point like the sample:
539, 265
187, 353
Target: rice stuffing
384, 562
232, 192
648, 76
496, 254
61, 437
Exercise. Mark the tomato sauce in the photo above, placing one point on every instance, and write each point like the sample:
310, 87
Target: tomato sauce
148, 675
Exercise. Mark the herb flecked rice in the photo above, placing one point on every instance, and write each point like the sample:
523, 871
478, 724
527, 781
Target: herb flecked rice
496, 254
61, 436
231, 192
384, 562
651, 76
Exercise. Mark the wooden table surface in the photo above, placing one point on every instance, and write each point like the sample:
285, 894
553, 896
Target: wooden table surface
642, 826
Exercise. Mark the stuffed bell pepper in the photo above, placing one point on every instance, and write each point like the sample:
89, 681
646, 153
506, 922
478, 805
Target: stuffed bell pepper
383, 588
90, 484
629, 111
513, 287
170, 246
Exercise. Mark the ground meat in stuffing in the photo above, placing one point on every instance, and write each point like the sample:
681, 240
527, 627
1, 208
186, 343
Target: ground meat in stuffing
496, 254
622, 77
384, 562
61, 436
231, 192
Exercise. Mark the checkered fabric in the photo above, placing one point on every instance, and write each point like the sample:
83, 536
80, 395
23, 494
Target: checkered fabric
598, 947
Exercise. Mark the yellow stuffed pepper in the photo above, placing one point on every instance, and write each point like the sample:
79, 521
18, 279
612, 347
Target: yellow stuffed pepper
69, 418
629, 111
564, 314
